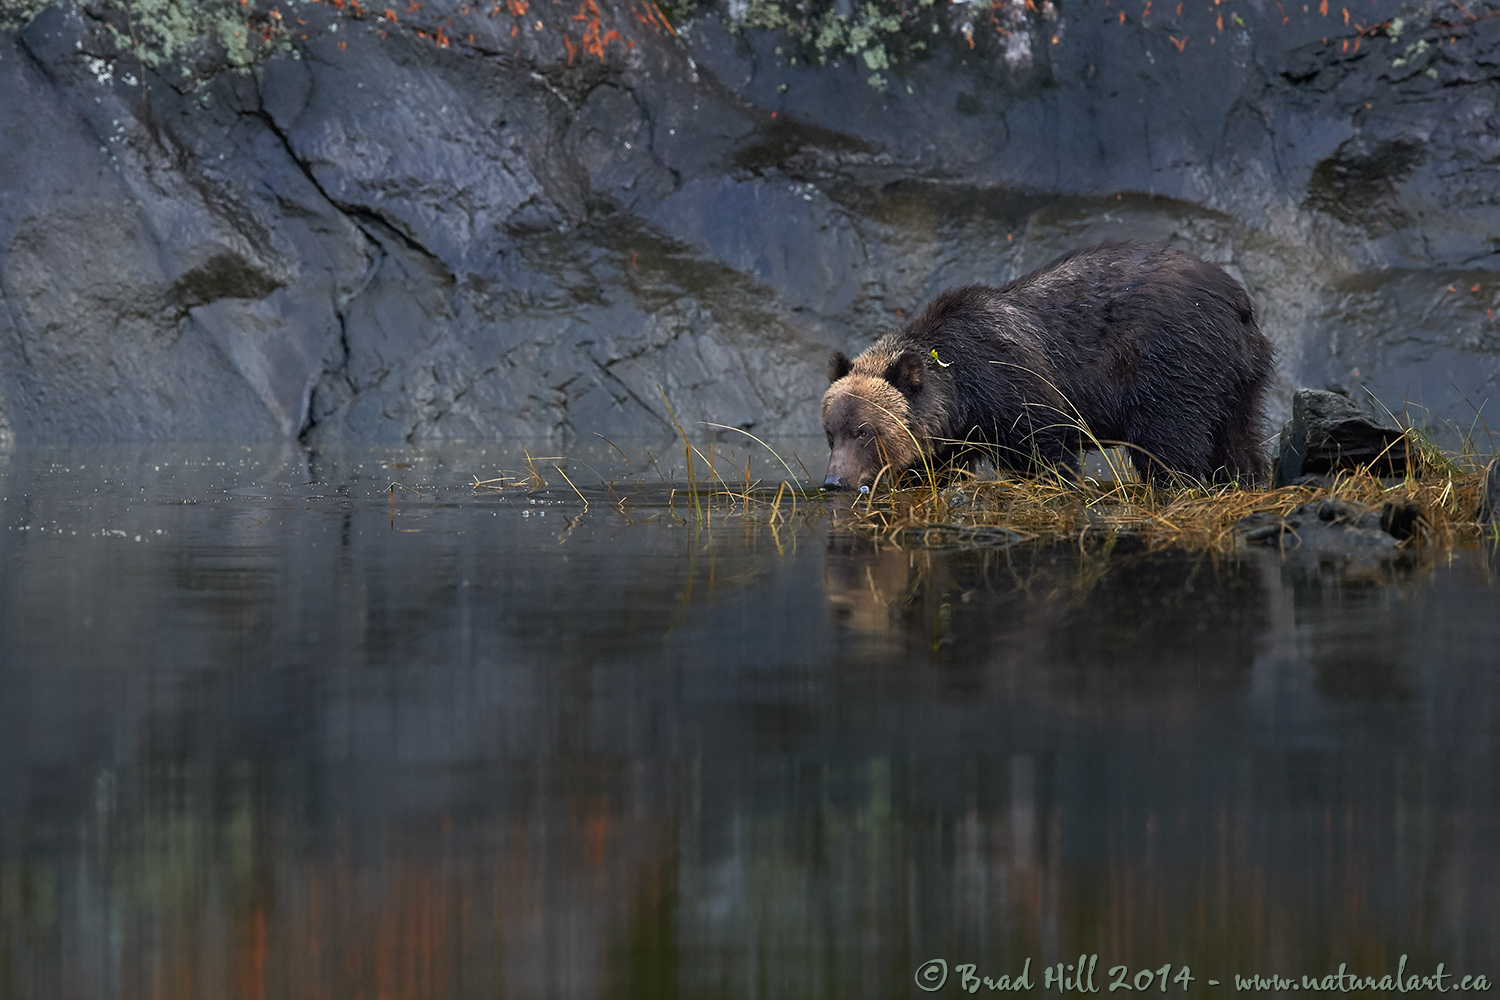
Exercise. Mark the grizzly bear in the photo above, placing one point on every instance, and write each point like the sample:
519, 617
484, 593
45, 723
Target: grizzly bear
1123, 343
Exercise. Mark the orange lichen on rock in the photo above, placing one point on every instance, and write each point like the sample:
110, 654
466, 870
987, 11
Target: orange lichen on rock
650, 14
663, 18
594, 38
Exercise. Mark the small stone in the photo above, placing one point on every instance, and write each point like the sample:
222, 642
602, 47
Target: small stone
1331, 511
1401, 518
956, 498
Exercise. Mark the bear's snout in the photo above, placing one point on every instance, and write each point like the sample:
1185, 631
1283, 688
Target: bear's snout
837, 478
843, 469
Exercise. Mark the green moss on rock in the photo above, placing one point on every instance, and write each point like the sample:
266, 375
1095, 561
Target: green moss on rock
197, 37
19, 13
882, 33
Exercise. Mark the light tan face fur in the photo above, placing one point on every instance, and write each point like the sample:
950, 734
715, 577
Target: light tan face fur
869, 427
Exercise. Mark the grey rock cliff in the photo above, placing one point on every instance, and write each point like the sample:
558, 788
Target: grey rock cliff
428, 227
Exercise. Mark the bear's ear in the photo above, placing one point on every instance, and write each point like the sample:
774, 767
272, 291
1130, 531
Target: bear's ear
838, 366
905, 373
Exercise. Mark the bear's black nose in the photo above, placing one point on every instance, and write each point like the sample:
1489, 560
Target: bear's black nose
833, 483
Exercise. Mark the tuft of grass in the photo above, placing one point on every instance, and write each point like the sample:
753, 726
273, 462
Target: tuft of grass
1193, 516
939, 507
687, 453
965, 508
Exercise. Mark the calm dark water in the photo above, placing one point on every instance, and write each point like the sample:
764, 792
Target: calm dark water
263, 734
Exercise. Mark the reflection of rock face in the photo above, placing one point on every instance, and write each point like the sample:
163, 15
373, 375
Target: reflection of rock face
521, 230
306, 753
1051, 620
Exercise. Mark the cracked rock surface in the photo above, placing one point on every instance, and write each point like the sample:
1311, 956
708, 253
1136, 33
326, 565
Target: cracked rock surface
463, 223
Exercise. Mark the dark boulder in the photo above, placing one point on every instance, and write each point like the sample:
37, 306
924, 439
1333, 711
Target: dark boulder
1329, 433
1332, 525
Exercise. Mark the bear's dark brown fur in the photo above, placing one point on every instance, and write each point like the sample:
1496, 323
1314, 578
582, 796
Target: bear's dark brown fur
1130, 343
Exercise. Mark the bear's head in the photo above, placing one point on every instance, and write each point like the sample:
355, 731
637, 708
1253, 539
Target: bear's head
867, 415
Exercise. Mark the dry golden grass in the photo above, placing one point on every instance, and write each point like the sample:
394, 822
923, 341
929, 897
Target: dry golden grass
1444, 487
943, 507
1193, 516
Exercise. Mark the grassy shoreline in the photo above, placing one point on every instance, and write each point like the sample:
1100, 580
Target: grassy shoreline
1194, 517
947, 507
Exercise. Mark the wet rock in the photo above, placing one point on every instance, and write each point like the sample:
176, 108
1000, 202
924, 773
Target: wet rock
456, 222
1401, 519
1328, 433
956, 497
1332, 525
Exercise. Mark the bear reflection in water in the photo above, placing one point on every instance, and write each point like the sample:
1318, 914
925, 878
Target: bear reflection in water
1055, 619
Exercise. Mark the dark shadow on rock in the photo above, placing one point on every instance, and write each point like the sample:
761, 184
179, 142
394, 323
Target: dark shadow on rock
1357, 185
